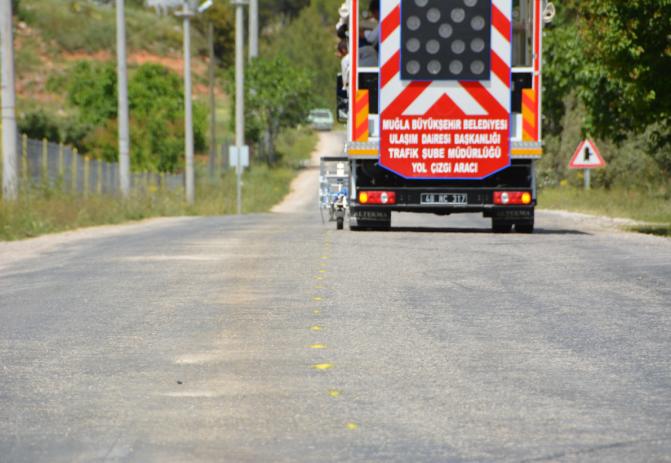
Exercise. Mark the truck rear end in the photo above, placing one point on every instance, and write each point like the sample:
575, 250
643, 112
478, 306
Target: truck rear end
449, 119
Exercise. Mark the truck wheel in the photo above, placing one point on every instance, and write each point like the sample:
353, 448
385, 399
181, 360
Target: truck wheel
501, 226
340, 223
525, 227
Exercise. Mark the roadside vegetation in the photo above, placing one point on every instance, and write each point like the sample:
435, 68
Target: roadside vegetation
66, 84
604, 78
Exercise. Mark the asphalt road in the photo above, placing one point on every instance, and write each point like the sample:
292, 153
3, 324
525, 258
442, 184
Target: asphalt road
274, 338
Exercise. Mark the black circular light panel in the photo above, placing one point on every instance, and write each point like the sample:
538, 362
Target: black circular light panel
446, 39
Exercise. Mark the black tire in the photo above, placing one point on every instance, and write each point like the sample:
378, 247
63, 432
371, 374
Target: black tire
340, 223
501, 226
525, 227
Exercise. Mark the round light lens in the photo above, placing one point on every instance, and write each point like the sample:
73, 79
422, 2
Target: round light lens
421, 3
470, 3
384, 198
433, 15
413, 23
412, 45
363, 198
456, 67
458, 15
458, 47
526, 198
477, 67
434, 67
432, 47
477, 45
505, 199
445, 31
478, 23
412, 67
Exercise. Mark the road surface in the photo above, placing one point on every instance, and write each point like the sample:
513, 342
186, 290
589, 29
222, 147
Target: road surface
274, 338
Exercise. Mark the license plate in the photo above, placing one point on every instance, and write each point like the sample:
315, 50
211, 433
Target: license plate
451, 199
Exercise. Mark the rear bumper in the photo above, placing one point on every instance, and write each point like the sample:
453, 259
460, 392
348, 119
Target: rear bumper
478, 201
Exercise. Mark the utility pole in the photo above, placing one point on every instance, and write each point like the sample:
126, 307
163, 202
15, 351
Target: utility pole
186, 14
213, 108
9, 133
239, 96
253, 29
122, 79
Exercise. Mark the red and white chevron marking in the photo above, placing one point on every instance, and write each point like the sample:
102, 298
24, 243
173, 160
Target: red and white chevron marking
412, 98
445, 129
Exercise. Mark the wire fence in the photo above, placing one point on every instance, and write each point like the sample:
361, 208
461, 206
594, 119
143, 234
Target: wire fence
44, 164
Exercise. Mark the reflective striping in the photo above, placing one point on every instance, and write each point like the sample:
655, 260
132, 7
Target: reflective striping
453, 90
529, 115
361, 116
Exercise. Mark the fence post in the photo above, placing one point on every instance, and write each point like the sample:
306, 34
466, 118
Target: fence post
74, 168
45, 162
99, 178
87, 167
61, 161
220, 161
24, 159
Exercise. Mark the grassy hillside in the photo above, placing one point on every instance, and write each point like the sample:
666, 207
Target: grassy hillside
51, 35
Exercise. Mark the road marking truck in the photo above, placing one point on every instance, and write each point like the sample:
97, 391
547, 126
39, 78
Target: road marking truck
447, 118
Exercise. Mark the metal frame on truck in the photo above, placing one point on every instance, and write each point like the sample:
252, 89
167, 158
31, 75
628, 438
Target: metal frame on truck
449, 120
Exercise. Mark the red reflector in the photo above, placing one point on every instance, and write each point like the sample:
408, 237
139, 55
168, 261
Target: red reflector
506, 198
377, 197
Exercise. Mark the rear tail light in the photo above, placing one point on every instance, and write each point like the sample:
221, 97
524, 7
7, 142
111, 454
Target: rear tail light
377, 197
506, 198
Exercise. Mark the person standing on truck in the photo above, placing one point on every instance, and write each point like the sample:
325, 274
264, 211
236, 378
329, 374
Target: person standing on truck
372, 35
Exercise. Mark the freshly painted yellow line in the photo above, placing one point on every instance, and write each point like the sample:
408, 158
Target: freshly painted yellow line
319, 278
334, 393
318, 346
316, 311
322, 366
316, 298
322, 271
352, 426
316, 328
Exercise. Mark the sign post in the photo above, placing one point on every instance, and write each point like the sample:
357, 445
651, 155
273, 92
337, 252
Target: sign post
587, 157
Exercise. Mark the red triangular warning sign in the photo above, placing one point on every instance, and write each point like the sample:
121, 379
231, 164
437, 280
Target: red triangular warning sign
587, 156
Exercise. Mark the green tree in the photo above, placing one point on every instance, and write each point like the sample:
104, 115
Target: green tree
222, 16
156, 103
612, 56
309, 43
278, 95
92, 89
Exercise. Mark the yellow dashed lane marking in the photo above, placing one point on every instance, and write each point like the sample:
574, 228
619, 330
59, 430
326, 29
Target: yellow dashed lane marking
352, 426
334, 393
322, 366
316, 311
322, 271
319, 278
317, 299
318, 346
316, 328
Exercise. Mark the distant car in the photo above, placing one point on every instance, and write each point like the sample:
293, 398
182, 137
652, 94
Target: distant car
321, 119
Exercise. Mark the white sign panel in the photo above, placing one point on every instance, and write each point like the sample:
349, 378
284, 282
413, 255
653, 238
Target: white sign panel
233, 156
